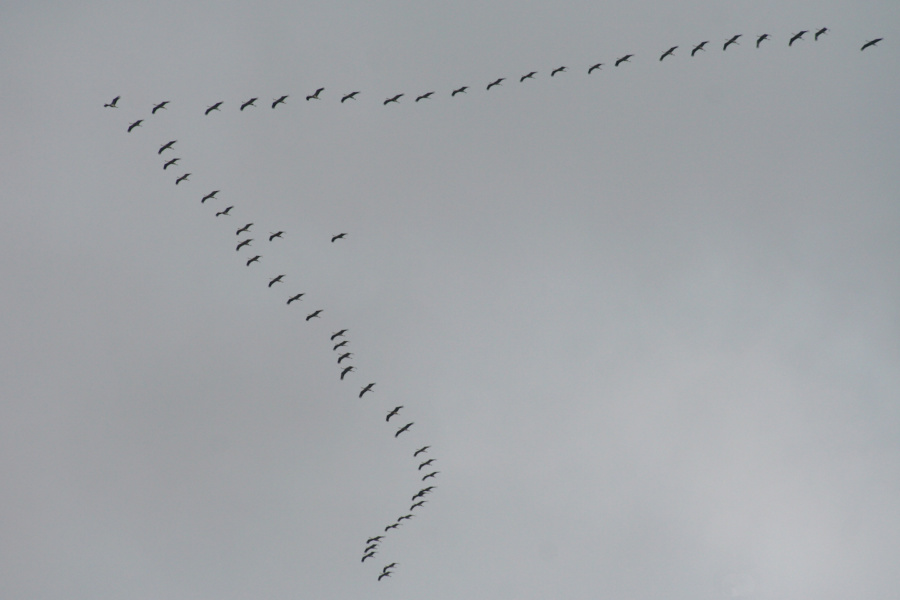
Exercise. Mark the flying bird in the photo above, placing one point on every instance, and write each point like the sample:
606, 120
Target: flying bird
277, 234
377, 538
166, 146
254, 259
244, 243
461, 90
314, 314
135, 124
394, 99
425, 464
495, 82
428, 489
275, 280
370, 547
369, 555
432, 474
389, 527
797, 36
424, 96
315, 95
594, 67
667, 53
731, 40
339, 236
347, 370
279, 101
699, 47
170, 163
393, 412
350, 96
341, 344
404, 428
243, 229
761, 39
213, 107
212, 194
384, 574
338, 333
250, 102
820, 32
527, 76
225, 212
182, 178
292, 298
871, 43
623, 59
421, 450
368, 388
390, 566
343, 356
161, 105
112, 104
418, 504
557, 70
404, 518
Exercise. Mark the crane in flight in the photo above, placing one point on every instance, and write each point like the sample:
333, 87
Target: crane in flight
210, 195
761, 39
389, 527
225, 212
404, 428
732, 40
367, 388
254, 259
297, 297
594, 68
112, 103
426, 463
424, 96
315, 95
350, 96
170, 163
871, 43
343, 356
250, 102
182, 178
699, 47
393, 99
385, 573
369, 555
432, 474
244, 243
460, 90
527, 76
421, 450
418, 504
135, 124
624, 59
166, 146
393, 412
377, 538
339, 236
338, 333
213, 107
667, 53
340, 344
161, 105
279, 101
276, 280
346, 370
797, 36
820, 32
244, 229
558, 70
495, 82
277, 234
314, 314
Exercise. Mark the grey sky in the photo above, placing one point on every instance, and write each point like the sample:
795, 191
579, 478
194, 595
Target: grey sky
646, 318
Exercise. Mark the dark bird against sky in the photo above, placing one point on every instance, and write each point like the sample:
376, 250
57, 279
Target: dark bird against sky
166, 146
210, 195
161, 105
367, 388
213, 107
279, 101
225, 212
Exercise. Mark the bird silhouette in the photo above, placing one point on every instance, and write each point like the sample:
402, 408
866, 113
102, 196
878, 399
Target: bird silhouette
225, 212
135, 124
244, 243
527, 76
383, 575
699, 47
210, 195
213, 107
315, 95
389, 527
347, 370
161, 105
405, 518
341, 344
393, 412
732, 40
367, 388
495, 82
112, 103
425, 464
557, 70
166, 146
428, 489
297, 297
339, 236
182, 178
279, 101
250, 102
624, 59
421, 450
390, 566
393, 99
370, 547
369, 555
314, 314
244, 229
343, 356
667, 53
377, 538
820, 32
424, 96
275, 280
338, 333
461, 90
594, 68
871, 43
432, 474
170, 163
797, 36
254, 259
761, 39
277, 234
404, 428
350, 96
418, 504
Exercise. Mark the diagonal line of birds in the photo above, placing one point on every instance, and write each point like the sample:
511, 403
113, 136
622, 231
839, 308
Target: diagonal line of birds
423, 462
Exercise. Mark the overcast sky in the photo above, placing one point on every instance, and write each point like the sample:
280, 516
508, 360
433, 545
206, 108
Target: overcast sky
646, 319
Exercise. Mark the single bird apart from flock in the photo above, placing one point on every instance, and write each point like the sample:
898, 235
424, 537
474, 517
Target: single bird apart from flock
209, 196
213, 107
367, 388
279, 101
225, 212
339, 236
314, 314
